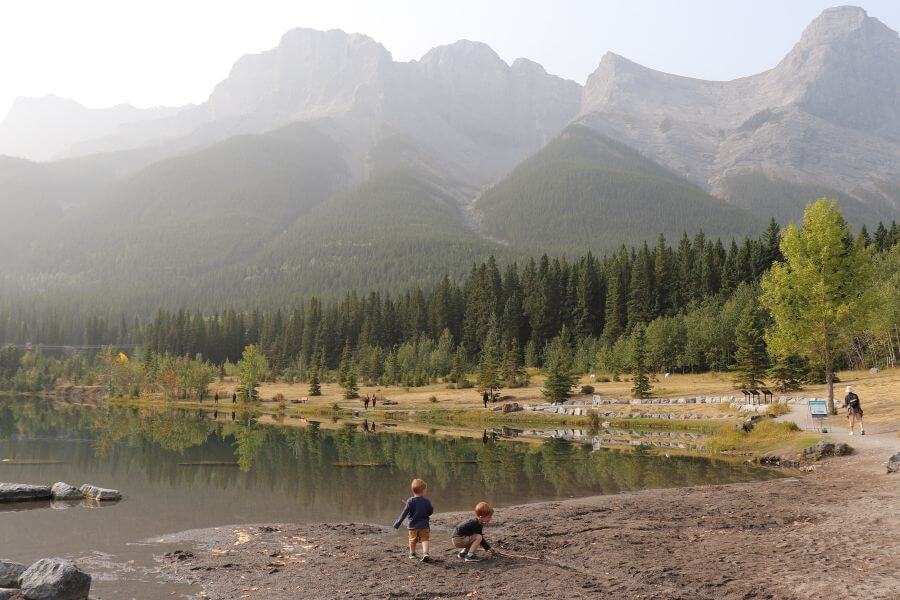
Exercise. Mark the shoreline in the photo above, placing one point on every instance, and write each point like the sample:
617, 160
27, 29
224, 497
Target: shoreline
781, 538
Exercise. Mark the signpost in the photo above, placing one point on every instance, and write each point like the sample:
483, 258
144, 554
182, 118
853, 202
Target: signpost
818, 409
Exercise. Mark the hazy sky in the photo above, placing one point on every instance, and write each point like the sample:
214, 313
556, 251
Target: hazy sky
173, 52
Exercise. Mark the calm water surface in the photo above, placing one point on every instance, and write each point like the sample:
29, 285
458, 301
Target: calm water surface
272, 474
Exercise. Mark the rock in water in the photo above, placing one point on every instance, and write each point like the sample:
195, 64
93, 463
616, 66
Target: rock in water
893, 465
9, 573
99, 493
23, 492
55, 579
64, 491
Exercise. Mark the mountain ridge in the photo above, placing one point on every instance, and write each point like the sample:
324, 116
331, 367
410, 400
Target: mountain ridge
325, 162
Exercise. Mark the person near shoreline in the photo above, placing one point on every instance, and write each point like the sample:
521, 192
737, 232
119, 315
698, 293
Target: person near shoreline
484, 398
234, 397
854, 410
373, 400
468, 535
365, 400
216, 398
419, 510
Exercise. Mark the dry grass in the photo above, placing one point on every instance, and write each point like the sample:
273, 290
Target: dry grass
880, 394
767, 436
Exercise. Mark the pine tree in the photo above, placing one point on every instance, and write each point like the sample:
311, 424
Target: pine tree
559, 381
351, 389
641, 387
489, 365
751, 357
458, 366
346, 364
640, 293
315, 389
511, 370
788, 372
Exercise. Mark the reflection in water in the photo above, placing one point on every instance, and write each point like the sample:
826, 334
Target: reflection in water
298, 461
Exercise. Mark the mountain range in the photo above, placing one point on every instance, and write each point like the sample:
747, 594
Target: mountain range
323, 164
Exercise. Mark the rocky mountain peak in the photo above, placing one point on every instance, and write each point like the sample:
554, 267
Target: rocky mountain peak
845, 69
463, 54
836, 22
309, 73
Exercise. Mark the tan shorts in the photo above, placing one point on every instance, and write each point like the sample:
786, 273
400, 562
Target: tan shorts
463, 542
419, 535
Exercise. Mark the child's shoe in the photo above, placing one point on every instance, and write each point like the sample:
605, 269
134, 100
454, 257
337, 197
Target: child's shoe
413, 555
472, 558
461, 554
426, 558
862, 432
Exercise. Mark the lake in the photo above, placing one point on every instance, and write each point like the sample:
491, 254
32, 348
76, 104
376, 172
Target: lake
183, 470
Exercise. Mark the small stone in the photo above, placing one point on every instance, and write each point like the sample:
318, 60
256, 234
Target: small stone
98, 493
64, 491
10, 571
893, 465
55, 579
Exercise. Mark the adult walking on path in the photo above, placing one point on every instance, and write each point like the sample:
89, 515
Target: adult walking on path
484, 398
366, 401
854, 410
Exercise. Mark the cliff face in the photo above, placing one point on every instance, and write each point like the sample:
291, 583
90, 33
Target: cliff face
827, 114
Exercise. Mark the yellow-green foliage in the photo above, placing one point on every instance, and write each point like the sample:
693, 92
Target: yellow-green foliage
779, 408
766, 435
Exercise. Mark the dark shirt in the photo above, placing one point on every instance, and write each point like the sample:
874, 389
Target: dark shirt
418, 509
851, 400
471, 527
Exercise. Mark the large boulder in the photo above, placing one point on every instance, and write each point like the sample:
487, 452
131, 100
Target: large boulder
11, 594
23, 492
55, 579
893, 464
64, 491
98, 493
823, 448
10, 572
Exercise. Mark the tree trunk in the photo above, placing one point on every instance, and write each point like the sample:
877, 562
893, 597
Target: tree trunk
829, 376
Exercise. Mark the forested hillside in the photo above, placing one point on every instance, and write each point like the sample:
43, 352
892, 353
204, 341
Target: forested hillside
584, 192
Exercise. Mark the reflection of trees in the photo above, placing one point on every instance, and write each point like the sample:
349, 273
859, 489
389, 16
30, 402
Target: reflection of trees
174, 430
297, 463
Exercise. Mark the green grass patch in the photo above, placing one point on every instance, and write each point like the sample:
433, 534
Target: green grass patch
767, 436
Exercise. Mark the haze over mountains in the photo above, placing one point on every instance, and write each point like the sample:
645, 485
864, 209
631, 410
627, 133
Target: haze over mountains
324, 164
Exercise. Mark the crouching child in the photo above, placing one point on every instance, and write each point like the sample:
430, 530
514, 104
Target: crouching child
418, 508
468, 535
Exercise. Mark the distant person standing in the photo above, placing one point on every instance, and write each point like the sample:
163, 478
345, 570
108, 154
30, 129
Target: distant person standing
216, 398
484, 398
366, 401
854, 410
373, 401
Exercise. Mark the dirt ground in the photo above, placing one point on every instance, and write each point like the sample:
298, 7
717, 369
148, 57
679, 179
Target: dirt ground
831, 533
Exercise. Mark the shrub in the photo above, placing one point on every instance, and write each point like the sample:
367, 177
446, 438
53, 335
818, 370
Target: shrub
433, 399
465, 384
779, 408
587, 389
603, 379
